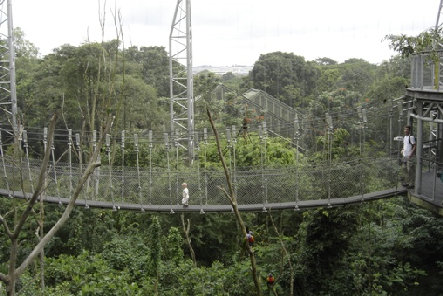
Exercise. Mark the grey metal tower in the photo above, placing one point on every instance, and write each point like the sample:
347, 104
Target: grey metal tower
8, 94
181, 81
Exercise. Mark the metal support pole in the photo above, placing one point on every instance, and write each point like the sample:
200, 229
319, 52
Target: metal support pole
111, 187
390, 133
190, 82
80, 155
12, 69
419, 149
260, 135
330, 135
177, 185
150, 165
139, 188
197, 148
234, 173
96, 175
26, 146
54, 171
123, 166
5, 175
205, 139
167, 147
296, 138
264, 160
70, 161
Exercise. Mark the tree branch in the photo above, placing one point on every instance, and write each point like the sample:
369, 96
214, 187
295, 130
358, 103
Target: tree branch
186, 229
39, 188
92, 165
233, 199
4, 278
226, 194
220, 154
287, 255
5, 225
65, 216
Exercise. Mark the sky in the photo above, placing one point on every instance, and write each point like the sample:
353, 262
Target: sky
234, 32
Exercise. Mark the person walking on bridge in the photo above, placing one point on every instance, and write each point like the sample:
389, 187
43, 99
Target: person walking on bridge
185, 198
408, 161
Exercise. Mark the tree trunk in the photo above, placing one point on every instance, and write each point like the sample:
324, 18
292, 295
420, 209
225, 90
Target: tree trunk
10, 288
186, 229
233, 199
286, 253
13, 272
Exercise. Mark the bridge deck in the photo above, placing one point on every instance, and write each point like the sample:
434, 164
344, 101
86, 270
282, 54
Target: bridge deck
305, 204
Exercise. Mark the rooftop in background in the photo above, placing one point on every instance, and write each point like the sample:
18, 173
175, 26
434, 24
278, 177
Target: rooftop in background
235, 69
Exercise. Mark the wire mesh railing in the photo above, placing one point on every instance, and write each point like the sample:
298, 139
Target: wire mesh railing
163, 187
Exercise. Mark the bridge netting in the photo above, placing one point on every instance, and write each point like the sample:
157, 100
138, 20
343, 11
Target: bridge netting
134, 172
161, 187
348, 151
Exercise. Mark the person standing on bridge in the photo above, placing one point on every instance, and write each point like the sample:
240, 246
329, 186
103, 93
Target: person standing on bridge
408, 161
185, 198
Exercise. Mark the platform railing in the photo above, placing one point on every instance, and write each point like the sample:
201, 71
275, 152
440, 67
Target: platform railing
426, 70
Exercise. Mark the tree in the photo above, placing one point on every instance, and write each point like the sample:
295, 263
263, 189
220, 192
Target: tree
356, 75
23, 47
275, 72
154, 64
233, 199
407, 45
13, 233
155, 250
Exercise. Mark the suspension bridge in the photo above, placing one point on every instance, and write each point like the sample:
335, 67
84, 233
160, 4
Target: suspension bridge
143, 170
154, 184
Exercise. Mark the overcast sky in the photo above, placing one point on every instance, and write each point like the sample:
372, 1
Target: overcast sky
228, 32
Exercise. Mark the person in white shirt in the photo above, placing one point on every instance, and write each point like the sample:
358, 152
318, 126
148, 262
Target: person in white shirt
408, 161
185, 198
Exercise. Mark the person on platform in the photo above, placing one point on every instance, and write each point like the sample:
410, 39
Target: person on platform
185, 199
408, 160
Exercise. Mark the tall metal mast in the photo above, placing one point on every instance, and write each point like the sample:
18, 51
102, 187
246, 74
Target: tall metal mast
437, 23
181, 81
8, 94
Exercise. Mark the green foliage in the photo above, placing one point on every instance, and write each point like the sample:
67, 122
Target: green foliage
382, 248
150, 63
357, 75
341, 148
172, 249
88, 229
250, 151
127, 253
214, 280
88, 275
94, 80
280, 74
408, 45
155, 248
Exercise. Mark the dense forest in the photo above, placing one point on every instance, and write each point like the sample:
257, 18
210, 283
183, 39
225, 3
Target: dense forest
386, 247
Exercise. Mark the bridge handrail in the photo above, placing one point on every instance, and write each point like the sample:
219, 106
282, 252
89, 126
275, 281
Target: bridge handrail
253, 187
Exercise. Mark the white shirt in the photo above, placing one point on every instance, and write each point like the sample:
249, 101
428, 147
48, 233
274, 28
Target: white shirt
408, 141
185, 193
